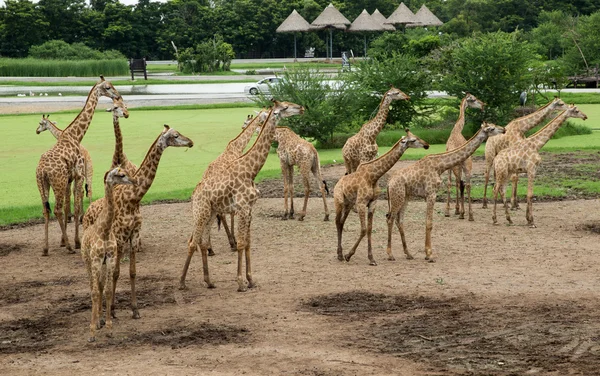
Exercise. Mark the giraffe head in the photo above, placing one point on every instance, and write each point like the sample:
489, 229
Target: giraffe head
118, 176
473, 102
171, 137
106, 89
260, 119
395, 94
412, 141
44, 124
558, 105
119, 109
282, 110
574, 112
247, 121
490, 129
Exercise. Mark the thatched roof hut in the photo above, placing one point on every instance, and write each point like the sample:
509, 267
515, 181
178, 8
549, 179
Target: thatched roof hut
380, 18
364, 23
402, 16
426, 18
292, 24
331, 18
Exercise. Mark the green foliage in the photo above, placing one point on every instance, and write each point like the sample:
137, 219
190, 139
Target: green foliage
61, 50
209, 56
62, 68
326, 107
493, 67
375, 76
386, 44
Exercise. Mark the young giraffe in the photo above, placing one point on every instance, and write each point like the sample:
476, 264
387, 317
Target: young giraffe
359, 189
515, 131
58, 164
362, 147
523, 156
455, 141
423, 179
88, 169
294, 150
99, 252
119, 110
128, 219
232, 151
233, 191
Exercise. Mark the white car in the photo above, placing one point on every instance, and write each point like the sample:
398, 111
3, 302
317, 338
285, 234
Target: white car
262, 86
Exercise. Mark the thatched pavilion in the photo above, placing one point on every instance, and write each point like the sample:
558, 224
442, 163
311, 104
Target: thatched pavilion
292, 24
425, 17
365, 23
331, 18
402, 16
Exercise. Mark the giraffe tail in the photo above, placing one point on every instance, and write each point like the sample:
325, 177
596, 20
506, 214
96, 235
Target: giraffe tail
326, 187
87, 193
462, 187
218, 222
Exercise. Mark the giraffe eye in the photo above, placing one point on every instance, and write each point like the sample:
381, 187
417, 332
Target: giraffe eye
176, 135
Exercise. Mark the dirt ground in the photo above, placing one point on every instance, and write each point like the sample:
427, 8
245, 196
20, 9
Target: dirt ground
499, 300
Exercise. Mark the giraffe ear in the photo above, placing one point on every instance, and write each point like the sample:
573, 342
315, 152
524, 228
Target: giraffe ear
102, 78
166, 128
406, 130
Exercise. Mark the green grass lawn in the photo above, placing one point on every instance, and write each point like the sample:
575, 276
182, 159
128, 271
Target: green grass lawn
180, 169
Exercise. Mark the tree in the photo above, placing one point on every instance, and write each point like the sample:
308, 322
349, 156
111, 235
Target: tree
64, 18
493, 67
21, 26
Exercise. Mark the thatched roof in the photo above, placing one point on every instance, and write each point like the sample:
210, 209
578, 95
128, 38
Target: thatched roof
331, 17
402, 15
364, 22
380, 18
293, 23
426, 18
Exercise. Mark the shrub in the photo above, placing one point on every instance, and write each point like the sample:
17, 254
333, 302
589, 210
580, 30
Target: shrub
209, 56
62, 68
61, 50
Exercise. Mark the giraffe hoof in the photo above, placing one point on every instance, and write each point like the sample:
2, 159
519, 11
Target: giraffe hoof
471, 219
70, 250
242, 289
92, 339
340, 257
373, 263
431, 261
531, 225
182, 286
251, 285
77, 245
211, 252
45, 252
301, 218
285, 217
446, 215
135, 315
410, 257
101, 323
211, 285
462, 216
347, 258
391, 258
326, 219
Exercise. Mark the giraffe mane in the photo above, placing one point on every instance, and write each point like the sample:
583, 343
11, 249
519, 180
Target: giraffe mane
148, 154
262, 129
81, 112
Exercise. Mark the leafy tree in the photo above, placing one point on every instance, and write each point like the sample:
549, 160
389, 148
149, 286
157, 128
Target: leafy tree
64, 18
493, 67
61, 50
208, 56
21, 26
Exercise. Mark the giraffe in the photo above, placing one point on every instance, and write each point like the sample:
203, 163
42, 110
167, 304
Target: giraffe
128, 219
233, 191
455, 141
48, 125
99, 252
233, 150
294, 150
423, 179
523, 156
359, 189
119, 110
362, 146
58, 164
515, 131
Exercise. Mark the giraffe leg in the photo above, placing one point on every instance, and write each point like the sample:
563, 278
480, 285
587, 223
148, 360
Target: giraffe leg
59, 213
234, 244
201, 237
251, 282
291, 190
488, 167
68, 213
467, 172
514, 201
243, 247
323, 188
96, 299
108, 290
529, 213
390, 218
459, 208
44, 188
502, 190
370, 214
115, 278
448, 191
362, 211
132, 272
341, 214
305, 171
78, 206
228, 231
285, 176
400, 224
429, 226
192, 247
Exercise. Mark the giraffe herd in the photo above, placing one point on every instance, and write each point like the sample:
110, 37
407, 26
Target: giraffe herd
111, 225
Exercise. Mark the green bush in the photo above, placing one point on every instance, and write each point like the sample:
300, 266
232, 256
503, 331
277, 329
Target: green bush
209, 56
62, 68
61, 50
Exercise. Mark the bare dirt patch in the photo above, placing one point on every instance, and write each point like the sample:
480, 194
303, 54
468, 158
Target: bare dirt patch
5, 249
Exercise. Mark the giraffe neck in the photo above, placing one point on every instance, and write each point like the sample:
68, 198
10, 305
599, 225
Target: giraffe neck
147, 171
460, 123
56, 132
118, 156
76, 130
252, 161
238, 144
444, 161
541, 137
526, 123
372, 128
108, 215
378, 167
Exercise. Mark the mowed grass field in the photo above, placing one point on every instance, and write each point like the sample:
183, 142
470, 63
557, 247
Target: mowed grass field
180, 169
